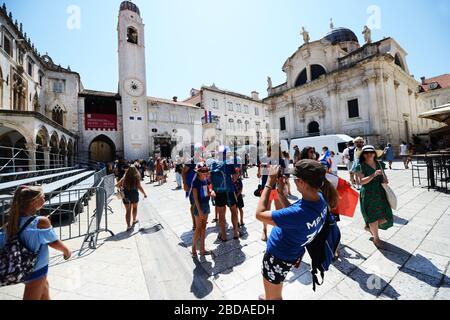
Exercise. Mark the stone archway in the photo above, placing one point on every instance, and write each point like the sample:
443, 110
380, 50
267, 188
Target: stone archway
102, 149
13, 151
313, 128
42, 144
54, 150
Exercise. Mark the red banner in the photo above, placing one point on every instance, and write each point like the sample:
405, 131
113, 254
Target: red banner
95, 121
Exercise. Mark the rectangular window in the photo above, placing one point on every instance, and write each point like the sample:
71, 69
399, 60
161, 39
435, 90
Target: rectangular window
246, 109
230, 106
215, 103
7, 45
41, 78
283, 124
353, 109
238, 107
20, 56
58, 86
30, 68
256, 111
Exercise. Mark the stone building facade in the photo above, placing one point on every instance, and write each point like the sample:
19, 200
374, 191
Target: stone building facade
335, 85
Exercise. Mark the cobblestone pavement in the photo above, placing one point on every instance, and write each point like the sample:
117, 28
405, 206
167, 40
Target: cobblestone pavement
154, 261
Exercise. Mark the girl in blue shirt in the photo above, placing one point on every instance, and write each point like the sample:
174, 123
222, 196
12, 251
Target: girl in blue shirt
296, 225
37, 236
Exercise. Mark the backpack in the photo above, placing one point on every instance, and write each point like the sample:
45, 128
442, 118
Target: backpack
16, 260
323, 247
351, 154
218, 177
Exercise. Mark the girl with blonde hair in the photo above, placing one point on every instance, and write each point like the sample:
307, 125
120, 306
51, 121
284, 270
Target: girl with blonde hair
37, 235
131, 185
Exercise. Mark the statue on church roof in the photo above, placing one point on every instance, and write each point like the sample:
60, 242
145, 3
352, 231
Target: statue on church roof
367, 35
269, 83
331, 24
305, 35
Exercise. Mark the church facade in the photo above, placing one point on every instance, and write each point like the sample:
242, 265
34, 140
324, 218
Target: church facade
335, 85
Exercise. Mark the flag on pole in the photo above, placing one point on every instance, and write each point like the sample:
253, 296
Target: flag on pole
206, 116
210, 117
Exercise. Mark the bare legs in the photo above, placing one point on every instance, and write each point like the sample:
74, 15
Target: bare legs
199, 233
235, 221
222, 221
273, 291
194, 225
37, 290
135, 209
128, 208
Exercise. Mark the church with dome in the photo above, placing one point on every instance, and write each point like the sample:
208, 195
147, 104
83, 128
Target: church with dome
338, 85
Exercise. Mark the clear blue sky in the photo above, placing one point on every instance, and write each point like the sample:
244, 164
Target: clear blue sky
234, 43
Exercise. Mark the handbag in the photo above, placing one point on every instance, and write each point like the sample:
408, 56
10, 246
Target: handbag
390, 194
120, 194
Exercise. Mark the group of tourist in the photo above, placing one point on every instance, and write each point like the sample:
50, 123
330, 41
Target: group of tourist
217, 182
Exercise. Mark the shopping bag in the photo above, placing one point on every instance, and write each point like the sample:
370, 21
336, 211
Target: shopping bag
348, 200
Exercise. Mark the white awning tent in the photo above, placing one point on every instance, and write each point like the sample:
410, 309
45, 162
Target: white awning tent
440, 114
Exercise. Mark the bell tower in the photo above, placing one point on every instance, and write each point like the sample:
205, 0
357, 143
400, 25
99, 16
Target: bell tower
132, 81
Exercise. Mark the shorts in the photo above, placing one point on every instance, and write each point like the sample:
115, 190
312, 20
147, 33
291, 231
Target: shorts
225, 199
131, 197
36, 275
240, 202
275, 270
205, 208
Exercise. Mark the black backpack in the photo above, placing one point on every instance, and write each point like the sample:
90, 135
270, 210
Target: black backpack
323, 248
16, 260
351, 154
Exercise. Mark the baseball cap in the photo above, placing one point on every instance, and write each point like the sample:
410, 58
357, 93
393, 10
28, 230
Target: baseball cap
310, 171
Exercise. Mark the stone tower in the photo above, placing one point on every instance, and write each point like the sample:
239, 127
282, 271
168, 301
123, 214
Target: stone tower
132, 82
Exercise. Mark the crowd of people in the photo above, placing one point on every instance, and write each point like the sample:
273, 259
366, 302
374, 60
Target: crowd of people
216, 181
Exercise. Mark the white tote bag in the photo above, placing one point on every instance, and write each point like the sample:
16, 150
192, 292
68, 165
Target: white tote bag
390, 194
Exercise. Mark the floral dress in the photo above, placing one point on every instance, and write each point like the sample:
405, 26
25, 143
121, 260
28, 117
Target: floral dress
374, 203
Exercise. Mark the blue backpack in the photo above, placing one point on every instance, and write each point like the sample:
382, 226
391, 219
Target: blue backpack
221, 177
323, 248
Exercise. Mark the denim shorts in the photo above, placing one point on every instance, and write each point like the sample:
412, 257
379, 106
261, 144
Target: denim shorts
205, 208
36, 275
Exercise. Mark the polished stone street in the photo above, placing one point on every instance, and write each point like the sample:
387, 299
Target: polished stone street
154, 261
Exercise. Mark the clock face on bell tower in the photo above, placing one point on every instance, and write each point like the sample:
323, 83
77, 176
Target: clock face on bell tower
134, 87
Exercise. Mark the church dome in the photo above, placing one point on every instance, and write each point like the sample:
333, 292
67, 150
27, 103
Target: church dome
128, 5
338, 35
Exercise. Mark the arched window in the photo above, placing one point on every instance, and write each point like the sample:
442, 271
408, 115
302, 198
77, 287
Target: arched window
58, 115
240, 125
132, 35
302, 78
317, 71
231, 124
313, 129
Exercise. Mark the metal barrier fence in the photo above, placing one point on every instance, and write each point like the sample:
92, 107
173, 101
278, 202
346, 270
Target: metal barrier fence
75, 213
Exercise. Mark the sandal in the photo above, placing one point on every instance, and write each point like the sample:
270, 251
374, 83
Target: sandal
194, 254
207, 253
219, 238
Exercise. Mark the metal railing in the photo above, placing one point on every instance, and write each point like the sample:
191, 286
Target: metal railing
18, 160
80, 213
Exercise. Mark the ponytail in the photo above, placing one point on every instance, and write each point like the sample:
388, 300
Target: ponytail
22, 198
330, 194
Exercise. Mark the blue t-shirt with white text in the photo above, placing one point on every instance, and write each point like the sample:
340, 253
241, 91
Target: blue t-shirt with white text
297, 226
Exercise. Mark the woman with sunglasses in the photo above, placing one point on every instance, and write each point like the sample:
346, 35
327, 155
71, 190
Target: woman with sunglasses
375, 207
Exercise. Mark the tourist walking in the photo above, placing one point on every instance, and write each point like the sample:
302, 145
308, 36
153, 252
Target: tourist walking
404, 154
131, 186
296, 225
245, 166
349, 157
359, 144
238, 189
178, 172
389, 155
201, 196
151, 169
159, 171
375, 207
286, 164
334, 163
37, 235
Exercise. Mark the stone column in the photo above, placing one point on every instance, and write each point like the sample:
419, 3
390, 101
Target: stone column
31, 148
374, 118
46, 151
291, 112
334, 109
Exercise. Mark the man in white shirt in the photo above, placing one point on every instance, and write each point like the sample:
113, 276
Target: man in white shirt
349, 156
404, 154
